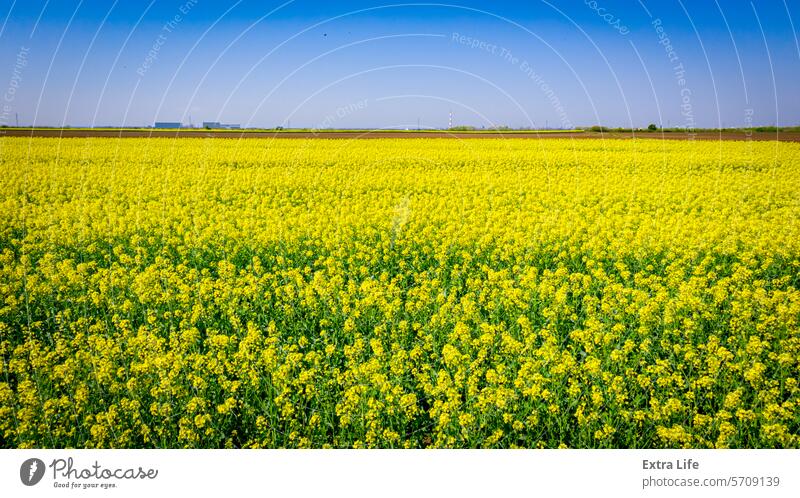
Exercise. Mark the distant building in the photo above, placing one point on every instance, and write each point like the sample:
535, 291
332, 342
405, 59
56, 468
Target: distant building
218, 125
166, 124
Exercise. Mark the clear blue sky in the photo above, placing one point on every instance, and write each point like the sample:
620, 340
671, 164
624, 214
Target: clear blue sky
391, 65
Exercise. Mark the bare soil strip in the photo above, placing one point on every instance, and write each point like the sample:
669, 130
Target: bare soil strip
72, 133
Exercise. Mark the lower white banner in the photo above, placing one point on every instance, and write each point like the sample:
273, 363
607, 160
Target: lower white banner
370, 473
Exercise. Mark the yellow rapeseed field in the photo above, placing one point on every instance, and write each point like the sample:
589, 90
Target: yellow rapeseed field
399, 293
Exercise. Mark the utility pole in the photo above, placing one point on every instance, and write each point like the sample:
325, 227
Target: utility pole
17, 116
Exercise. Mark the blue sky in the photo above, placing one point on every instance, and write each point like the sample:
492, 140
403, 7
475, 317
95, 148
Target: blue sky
351, 64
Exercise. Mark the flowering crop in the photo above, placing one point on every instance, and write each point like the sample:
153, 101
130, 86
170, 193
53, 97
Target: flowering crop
399, 293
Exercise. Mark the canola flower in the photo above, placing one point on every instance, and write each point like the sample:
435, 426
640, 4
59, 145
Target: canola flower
399, 293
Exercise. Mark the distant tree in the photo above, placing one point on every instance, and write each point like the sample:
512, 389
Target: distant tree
652, 127
599, 128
